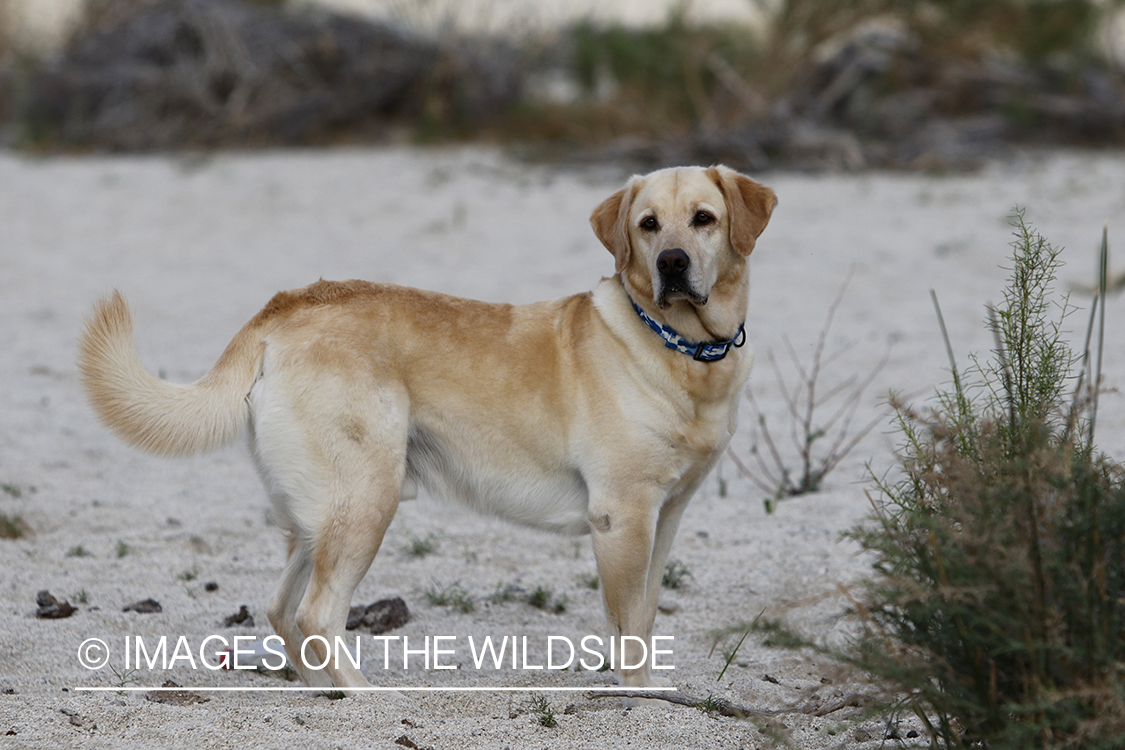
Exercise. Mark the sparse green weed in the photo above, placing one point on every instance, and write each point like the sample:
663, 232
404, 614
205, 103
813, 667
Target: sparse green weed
709, 705
453, 595
541, 709
420, 547
505, 593
540, 597
676, 574
543, 598
12, 526
123, 678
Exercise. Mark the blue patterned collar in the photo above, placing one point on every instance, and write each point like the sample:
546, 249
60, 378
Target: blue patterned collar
706, 351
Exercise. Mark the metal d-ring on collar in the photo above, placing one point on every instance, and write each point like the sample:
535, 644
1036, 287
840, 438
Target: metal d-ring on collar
706, 351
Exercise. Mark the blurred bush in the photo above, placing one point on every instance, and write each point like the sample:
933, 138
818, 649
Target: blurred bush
157, 74
842, 84
826, 83
5, 61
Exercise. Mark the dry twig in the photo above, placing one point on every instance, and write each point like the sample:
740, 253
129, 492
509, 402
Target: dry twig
772, 473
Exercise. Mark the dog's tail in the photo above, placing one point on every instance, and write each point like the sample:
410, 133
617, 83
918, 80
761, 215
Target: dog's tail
152, 414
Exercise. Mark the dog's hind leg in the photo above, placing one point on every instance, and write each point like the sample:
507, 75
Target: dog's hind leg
342, 551
283, 607
333, 452
363, 463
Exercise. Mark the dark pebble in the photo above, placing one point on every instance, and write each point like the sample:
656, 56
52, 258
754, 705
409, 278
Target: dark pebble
144, 607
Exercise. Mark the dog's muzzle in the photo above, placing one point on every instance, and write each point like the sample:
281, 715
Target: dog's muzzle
674, 267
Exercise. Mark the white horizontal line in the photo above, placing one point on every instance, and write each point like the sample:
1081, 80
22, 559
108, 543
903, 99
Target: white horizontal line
135, 689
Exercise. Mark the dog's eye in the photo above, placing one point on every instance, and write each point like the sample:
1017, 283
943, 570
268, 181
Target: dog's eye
702, 219
649, 224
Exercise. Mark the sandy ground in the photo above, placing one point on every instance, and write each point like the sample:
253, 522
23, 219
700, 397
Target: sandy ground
198, 245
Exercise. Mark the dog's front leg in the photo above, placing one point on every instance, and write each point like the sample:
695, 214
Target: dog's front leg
666, 525
624, 531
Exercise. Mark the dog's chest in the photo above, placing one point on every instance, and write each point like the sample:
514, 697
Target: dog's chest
694, 439
705, 422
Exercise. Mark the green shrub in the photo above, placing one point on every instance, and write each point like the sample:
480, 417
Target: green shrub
1033, 29
12, 526
454, 595
542, 712
543, 598
666, 71
420, 547
999, 599
675, 575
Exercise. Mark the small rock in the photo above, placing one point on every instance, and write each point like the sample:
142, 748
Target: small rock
406, 742
73, 717
211, 586
383, 615
570, 709
911, 734
51, 608
174, 697
144, 607
862, 735
771, 678
242, 617
297, 718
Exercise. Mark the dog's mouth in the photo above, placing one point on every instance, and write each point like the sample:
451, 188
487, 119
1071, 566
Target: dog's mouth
675, 290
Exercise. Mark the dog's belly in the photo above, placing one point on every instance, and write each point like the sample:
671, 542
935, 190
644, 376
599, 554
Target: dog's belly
506, 485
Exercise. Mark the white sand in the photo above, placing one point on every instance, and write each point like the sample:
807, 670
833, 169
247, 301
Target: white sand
199, 245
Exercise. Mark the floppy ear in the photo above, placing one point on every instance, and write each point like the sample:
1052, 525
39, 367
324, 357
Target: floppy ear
749, 204
610, 221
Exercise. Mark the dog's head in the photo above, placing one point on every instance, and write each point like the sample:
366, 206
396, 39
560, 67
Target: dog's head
676, 234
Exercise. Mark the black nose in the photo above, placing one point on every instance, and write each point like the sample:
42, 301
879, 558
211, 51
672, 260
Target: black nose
672, 262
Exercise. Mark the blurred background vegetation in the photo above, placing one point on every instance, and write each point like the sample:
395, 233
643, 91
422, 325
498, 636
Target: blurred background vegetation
816, 84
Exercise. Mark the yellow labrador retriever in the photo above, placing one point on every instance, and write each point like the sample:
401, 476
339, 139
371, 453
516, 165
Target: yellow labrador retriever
599, 413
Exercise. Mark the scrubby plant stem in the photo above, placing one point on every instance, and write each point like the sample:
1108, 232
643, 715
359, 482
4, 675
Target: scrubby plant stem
802, 403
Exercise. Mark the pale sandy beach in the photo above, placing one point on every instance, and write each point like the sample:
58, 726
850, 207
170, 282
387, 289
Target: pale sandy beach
198, 245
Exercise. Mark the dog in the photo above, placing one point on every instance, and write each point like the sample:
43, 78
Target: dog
599, 413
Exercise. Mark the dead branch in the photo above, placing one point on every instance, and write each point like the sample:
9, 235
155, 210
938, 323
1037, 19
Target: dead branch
726, 708
820, 447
